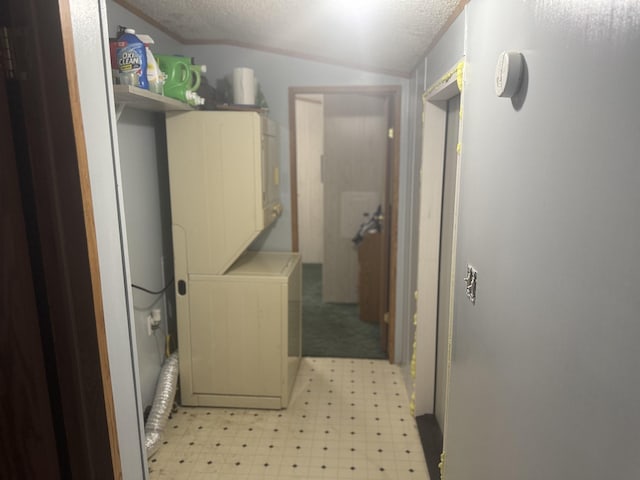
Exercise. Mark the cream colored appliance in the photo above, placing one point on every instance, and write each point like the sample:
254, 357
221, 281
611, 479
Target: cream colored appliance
239, 312
224, 181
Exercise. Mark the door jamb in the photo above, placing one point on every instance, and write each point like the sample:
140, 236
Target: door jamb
393, 92
434, 131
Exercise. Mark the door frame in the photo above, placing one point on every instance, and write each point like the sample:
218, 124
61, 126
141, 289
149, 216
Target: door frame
393, 93
435, 101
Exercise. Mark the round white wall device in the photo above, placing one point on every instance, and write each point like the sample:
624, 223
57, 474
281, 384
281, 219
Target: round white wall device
509, 74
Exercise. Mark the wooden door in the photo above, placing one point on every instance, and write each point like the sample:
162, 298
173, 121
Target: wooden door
27, 431
354, 176
62, 359
370, 298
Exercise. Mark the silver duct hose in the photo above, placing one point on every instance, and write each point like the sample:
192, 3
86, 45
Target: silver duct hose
162, 404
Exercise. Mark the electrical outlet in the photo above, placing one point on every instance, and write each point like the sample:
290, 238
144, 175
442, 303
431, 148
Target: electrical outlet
153, 321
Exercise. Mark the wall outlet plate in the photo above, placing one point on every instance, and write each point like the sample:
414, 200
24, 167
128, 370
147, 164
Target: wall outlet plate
153, 321
471, 282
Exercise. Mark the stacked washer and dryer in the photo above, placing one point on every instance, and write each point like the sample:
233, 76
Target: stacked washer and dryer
238, 311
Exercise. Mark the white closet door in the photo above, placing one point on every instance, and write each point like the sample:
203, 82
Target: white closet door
356, 136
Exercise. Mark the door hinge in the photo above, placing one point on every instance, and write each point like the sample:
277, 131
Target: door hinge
385, 319
9, 61
390, 133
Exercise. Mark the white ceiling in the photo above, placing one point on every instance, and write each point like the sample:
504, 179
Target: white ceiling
381, 35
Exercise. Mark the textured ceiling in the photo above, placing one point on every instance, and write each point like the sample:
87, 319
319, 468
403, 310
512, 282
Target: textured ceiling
381, 35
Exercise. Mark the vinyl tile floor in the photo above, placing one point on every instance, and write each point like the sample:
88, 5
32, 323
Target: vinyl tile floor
347, 419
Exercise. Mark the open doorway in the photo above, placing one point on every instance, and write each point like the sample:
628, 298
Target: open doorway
344, 171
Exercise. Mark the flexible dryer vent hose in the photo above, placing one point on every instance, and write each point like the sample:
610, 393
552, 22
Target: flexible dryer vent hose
162, 404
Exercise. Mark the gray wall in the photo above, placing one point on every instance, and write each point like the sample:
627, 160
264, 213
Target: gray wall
545, 380
142, 145
143, 161
407, 278
447, 52
441, 59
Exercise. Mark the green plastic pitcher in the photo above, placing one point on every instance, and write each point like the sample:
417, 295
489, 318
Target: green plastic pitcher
181, 78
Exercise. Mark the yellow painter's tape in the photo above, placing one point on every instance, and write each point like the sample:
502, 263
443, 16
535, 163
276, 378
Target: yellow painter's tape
460, 74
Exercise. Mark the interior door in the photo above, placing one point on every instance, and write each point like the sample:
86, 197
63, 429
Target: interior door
446, 250
354, 175
27, 431
65, 336
309, 145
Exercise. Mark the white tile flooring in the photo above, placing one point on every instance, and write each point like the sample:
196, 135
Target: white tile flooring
347, 419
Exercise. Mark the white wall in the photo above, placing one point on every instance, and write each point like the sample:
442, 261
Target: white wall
545, 380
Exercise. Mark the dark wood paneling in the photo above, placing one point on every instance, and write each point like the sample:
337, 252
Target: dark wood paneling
27, 436
56, 198
372, 307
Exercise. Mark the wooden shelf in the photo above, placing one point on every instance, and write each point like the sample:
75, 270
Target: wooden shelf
141, 99
241, 108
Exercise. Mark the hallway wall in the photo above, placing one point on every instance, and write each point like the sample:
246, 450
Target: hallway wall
126, 174
545, 375
88, 19
441, 59
145, 185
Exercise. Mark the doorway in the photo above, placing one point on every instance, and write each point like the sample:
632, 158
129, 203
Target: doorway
440, 186
344, 171
449, 186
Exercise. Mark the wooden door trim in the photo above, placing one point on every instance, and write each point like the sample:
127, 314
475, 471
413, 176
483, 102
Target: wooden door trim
393, 92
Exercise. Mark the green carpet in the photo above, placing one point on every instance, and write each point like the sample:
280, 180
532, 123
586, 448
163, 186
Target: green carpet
332, 329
